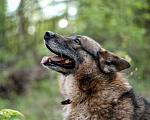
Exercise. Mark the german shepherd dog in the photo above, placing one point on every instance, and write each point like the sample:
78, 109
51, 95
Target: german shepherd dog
90, 80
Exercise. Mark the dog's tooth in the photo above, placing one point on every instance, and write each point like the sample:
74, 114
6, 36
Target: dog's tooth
70, 61
67, 61
49, 60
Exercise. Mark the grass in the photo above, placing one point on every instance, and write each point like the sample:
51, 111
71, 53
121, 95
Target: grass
43, 100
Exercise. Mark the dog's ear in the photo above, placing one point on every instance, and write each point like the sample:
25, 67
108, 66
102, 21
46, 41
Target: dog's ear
109, 62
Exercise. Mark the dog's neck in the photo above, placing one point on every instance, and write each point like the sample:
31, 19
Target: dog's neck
80, 86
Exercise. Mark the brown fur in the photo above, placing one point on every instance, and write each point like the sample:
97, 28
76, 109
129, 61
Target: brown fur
96, 89
95, 97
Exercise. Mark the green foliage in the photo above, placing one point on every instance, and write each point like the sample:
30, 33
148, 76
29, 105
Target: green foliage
123, 27
9, 114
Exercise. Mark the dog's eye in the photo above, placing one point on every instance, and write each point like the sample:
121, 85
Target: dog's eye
76, 41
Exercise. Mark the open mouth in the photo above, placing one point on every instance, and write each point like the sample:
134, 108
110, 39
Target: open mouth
60, 60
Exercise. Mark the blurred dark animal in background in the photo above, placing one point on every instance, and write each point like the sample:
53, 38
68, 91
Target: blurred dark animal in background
20, 80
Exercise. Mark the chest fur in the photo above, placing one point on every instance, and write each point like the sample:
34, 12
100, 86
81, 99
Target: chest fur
94, 105
69, 87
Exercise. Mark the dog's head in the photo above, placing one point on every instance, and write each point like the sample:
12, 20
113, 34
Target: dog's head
73, 51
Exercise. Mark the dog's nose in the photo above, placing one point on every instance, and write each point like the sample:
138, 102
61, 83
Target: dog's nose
49, 35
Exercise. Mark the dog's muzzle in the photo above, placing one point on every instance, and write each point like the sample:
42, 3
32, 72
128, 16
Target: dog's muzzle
61, 60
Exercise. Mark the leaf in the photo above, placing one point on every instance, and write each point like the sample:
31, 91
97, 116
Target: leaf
8, 113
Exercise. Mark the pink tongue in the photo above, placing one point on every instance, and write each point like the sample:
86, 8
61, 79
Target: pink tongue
56, 58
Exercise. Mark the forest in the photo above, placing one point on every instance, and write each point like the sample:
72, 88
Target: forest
120, 26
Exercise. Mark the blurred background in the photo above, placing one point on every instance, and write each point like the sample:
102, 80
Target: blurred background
120, 26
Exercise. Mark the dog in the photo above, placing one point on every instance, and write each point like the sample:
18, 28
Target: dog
91, 80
